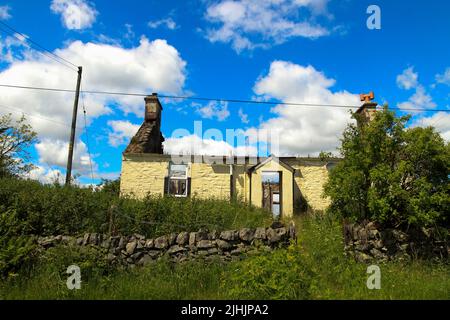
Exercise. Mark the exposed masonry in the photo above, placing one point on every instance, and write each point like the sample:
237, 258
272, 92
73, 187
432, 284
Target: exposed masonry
368, 242
136, 250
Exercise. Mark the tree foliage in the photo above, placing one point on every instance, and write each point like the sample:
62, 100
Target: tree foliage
15, 138
391, 174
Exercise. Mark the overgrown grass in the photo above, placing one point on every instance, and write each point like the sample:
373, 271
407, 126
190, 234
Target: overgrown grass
339, 277
315, 268
29, 208
160, 280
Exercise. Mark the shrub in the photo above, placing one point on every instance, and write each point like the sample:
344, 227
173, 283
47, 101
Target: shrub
281, 274
391, 174
15, 248
54, 209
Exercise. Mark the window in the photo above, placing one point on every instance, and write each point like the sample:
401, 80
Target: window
178, 183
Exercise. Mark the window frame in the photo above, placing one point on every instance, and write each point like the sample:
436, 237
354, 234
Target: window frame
178, 178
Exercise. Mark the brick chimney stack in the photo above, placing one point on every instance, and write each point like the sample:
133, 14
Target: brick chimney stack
153, 108
368, 109
149, 138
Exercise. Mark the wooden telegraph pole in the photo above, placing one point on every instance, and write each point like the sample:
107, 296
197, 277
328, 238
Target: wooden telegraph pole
74, 125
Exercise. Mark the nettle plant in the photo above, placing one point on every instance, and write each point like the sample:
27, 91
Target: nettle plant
391, 174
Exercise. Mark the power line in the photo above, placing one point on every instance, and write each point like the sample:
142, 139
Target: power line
13, 32
36, 116
214, 99
87, 137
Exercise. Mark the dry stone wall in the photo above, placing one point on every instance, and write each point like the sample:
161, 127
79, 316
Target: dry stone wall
369, 242
137, 250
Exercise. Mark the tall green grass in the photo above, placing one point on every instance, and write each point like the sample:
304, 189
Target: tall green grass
28, 208
339, 277
315, 268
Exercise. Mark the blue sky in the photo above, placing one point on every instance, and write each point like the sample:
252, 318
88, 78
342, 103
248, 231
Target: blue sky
309, 51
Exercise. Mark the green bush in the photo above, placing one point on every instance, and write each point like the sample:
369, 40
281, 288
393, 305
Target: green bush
54, 209
392, 175
280, 274
29, 209
15, 248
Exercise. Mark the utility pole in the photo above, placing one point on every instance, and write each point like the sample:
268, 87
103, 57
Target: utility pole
74, 125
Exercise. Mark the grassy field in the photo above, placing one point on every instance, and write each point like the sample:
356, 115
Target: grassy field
315, 268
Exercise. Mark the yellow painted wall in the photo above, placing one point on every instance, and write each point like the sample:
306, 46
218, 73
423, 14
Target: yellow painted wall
241, 182
287, 196
141, 176
309, 183
210, 180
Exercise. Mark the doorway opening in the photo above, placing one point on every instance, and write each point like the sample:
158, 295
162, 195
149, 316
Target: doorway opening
271, 192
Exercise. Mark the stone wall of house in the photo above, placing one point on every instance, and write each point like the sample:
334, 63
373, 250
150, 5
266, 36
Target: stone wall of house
210, 180
368, 242
309, 182
137, 250
140, 176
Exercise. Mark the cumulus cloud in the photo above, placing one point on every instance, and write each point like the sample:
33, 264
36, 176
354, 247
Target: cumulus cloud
419, 100
9, 46
5, 12
54, 153
303, 130
46, 175
168, 23
439, 120
248, 24
217, 110
152, 66
122, 132
194, 145
444, 78
407, 79
75, 14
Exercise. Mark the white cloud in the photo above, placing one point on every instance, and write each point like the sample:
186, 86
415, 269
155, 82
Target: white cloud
194, 145
5, 12
439, 120
46, 175
213, 109
243, 116
168, 23
408, 79
152, 66
75, 14
248, 24
122, 132
303, 130
444, 78
54, 153
9, 46
419, 100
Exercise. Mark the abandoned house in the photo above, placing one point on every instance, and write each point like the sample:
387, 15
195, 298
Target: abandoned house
282, 185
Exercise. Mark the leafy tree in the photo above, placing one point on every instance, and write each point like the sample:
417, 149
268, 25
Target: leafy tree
391, 174
15, 138
324, 156
110, 186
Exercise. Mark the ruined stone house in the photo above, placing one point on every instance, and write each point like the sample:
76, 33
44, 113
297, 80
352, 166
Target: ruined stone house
281, 185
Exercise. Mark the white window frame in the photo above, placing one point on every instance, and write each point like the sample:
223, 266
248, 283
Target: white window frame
185, 178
